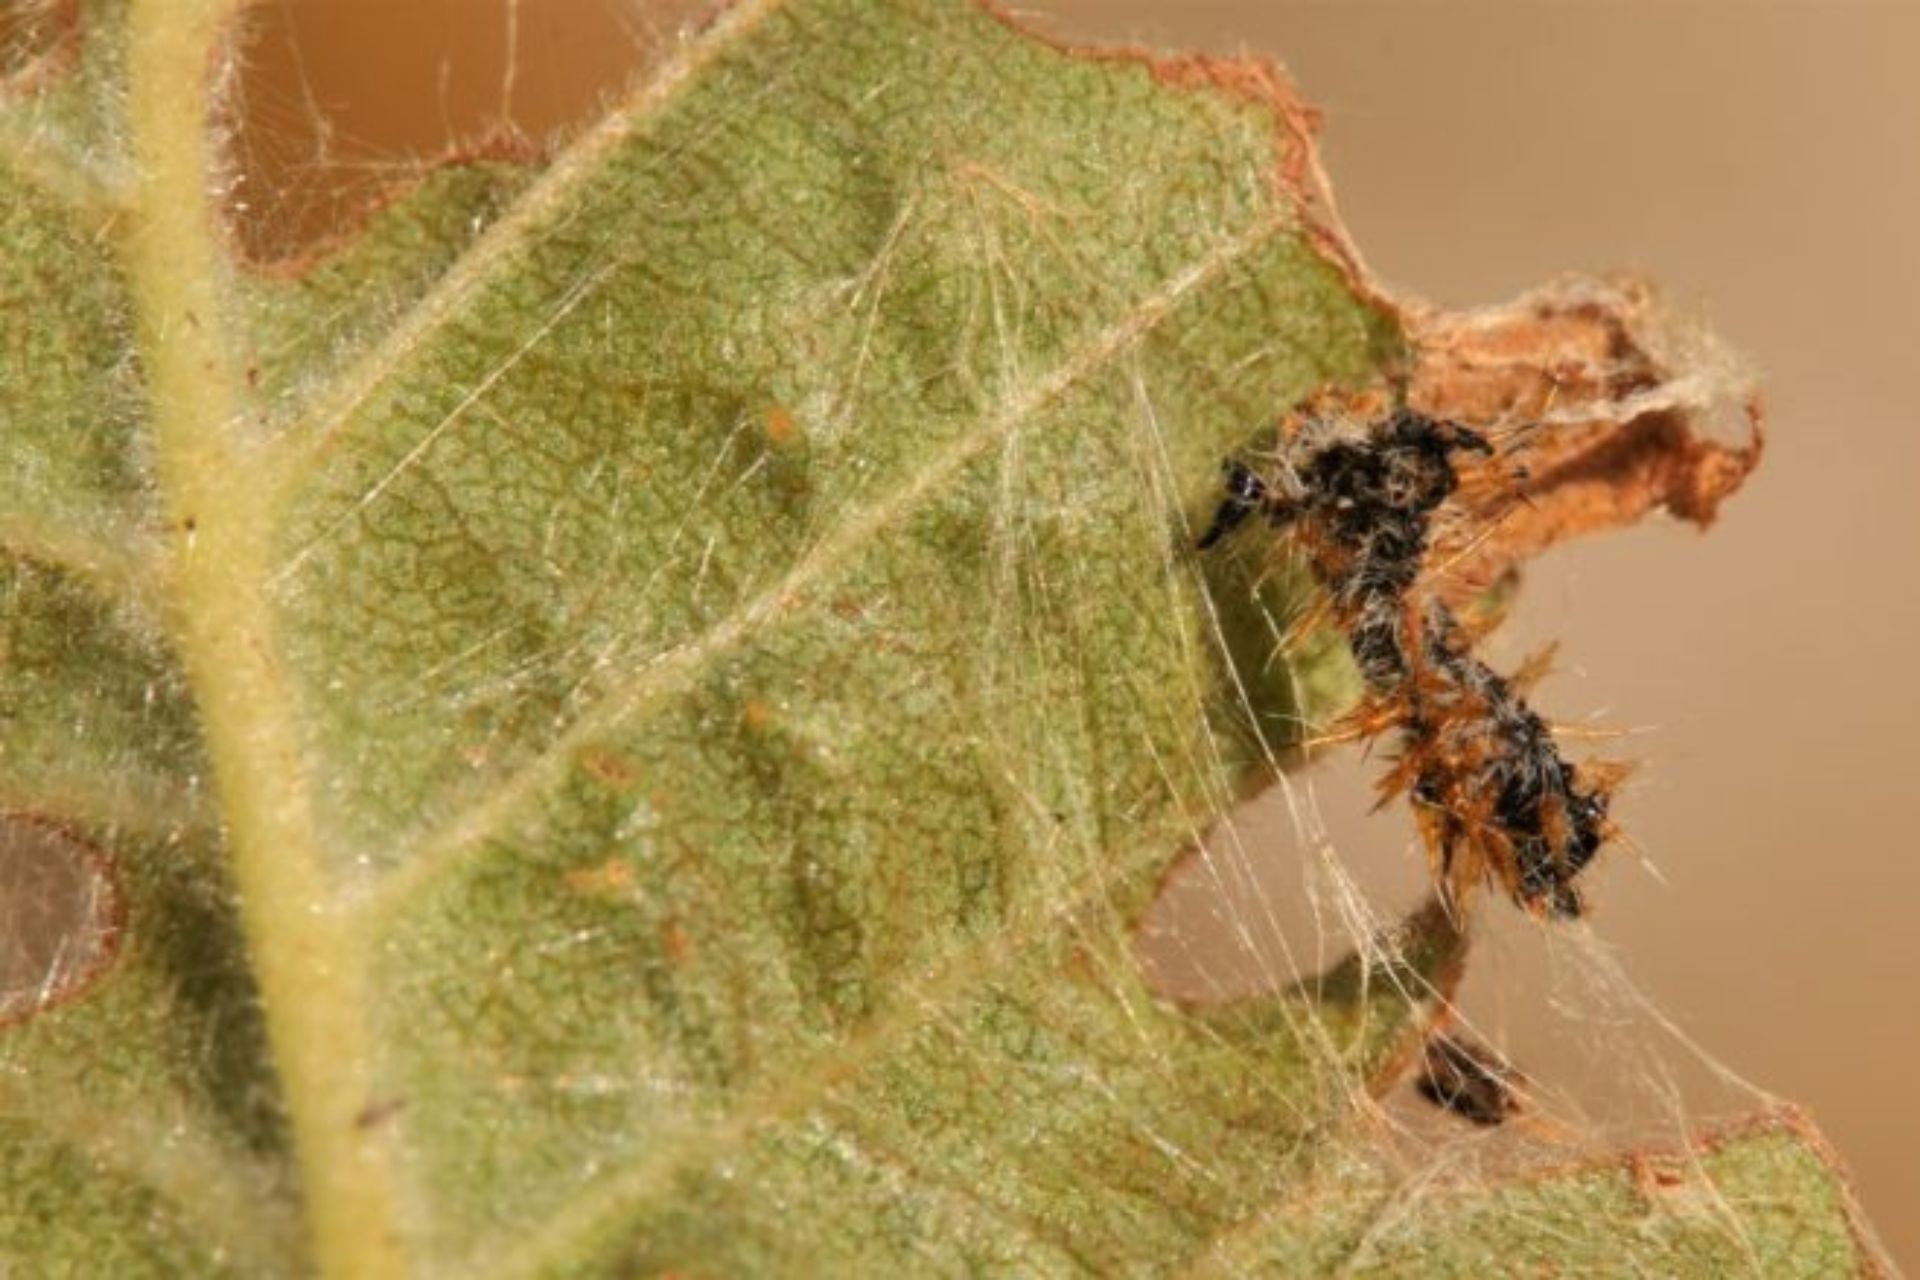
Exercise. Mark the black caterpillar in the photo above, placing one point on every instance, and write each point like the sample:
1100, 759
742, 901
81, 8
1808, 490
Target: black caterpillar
1493, 795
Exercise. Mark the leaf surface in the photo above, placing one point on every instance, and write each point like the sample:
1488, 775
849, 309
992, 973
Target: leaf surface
634, 705
1717, 1210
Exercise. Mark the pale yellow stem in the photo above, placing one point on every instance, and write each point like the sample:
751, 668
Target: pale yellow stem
310, 972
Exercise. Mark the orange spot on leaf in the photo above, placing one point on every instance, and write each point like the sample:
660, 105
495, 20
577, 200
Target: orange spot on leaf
781, 428
610, 878
676, 942
609, 768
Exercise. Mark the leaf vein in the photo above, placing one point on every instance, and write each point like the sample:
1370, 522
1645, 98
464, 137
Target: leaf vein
664, 674
58, 173
620, 1188
546, 202
128, 569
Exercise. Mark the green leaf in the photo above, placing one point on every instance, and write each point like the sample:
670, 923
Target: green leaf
1762, 1200
631, 710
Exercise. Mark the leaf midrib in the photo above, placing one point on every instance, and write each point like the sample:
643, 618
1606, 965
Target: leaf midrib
210, 574
293, 915
311, 984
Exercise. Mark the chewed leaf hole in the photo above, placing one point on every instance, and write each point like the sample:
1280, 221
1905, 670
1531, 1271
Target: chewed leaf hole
61, 916
325, 132
1279, 890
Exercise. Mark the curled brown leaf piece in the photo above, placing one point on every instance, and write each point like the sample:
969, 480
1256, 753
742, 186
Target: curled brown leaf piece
1606, 402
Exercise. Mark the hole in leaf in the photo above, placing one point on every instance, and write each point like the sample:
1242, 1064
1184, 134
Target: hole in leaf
61, 916
1283, 887
340, 103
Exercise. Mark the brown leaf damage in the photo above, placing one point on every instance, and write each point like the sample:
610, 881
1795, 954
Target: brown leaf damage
1614, 395
62, 915
1605, 406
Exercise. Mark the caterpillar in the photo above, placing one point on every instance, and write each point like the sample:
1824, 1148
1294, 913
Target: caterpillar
1493, 797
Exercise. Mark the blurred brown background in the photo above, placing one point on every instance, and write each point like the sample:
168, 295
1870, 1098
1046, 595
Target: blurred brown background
1759, 160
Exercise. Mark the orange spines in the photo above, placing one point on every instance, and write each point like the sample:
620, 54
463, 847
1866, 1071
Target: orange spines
1493, 796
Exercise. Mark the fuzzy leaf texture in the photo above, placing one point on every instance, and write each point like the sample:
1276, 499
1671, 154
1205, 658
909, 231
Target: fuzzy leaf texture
620, 721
